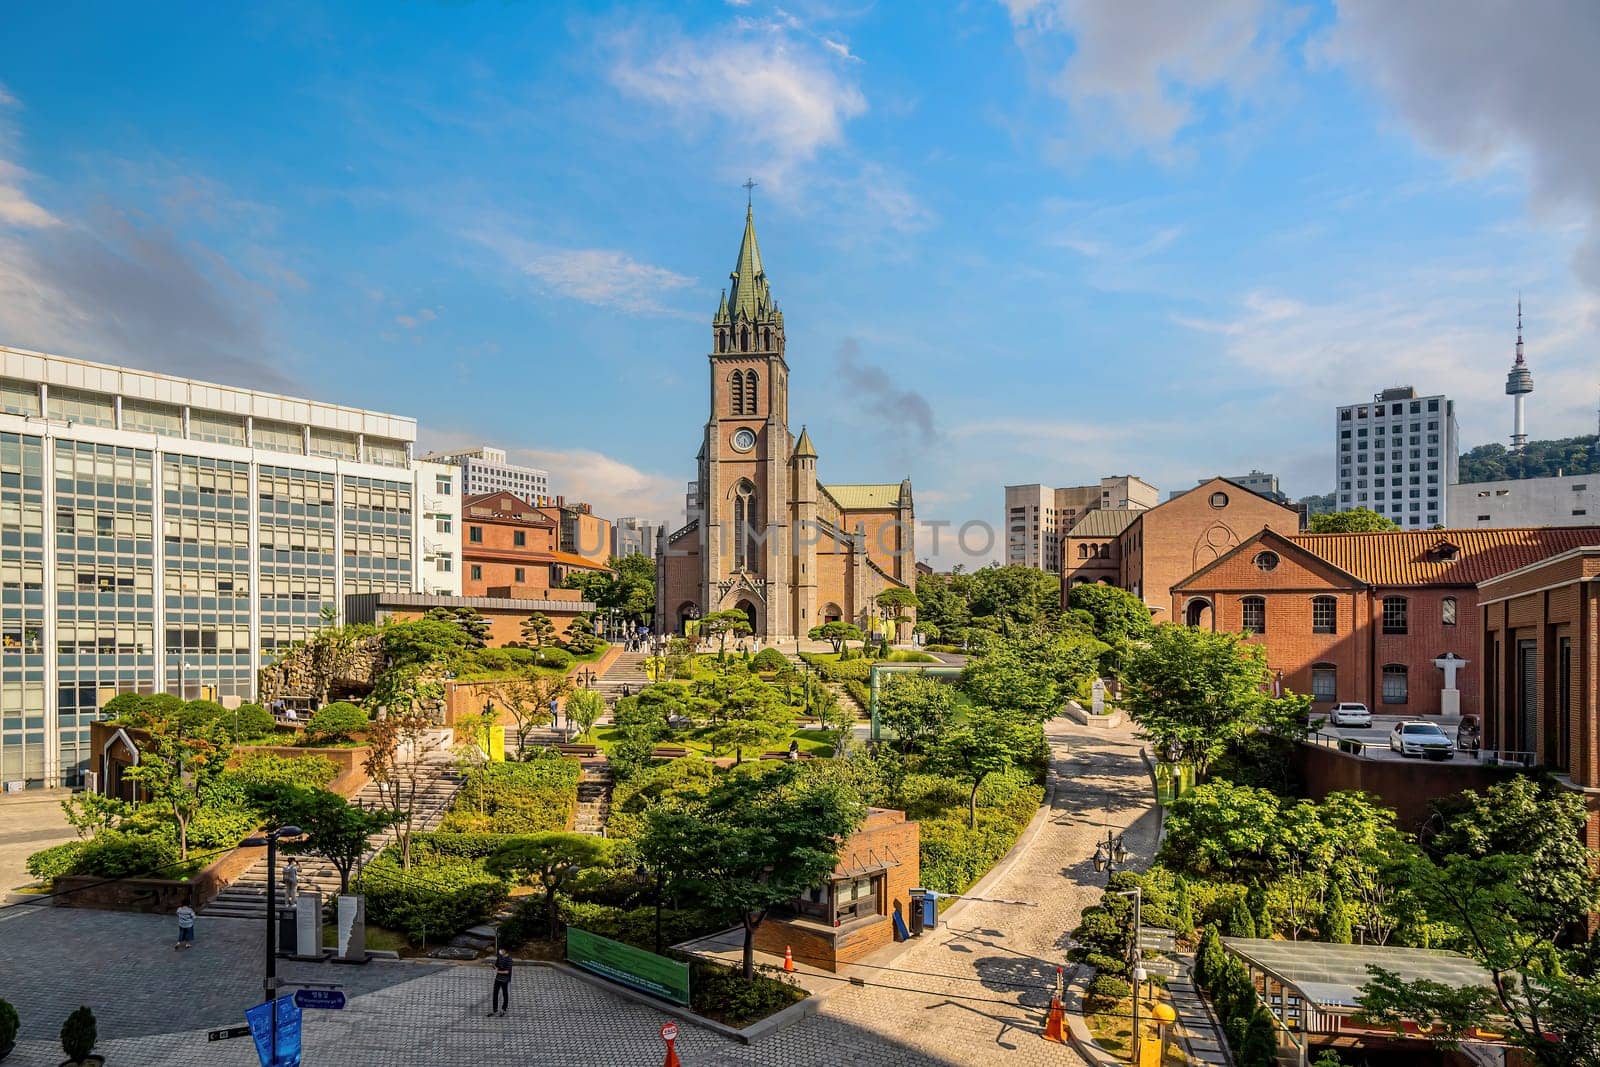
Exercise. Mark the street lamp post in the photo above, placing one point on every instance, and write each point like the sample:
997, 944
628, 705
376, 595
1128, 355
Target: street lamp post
1108, 856
270, 982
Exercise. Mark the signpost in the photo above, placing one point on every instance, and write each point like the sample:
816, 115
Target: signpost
327, 999
287, 1050
228, 1033
1155, 939
629, 966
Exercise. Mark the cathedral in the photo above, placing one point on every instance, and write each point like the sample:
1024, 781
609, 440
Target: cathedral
764, 536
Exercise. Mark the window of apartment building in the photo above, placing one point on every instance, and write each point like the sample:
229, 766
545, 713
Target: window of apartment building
1363, 431
441, 484
332, 444
1344, 435
1395, 688
1324, 615
519, 575
277, 437
1433, 405
519, 538
1324, 683
443, 524
1447, 611
147, 417
216, 427
444, 563
385, 453
1253, 611
1416, 407
19, 398
476, 572
475, 534
1344, 416
1394, 614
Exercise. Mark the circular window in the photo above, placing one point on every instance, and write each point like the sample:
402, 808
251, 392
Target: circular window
744, 439
1219, 500
1266, 561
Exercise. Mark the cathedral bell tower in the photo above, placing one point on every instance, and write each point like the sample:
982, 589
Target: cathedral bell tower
744, 486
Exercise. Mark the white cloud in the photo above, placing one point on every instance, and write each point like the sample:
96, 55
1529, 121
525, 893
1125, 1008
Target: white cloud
17, 209
1138, 74
419, 318
840, 49
600, 276
1489, 83
762, 83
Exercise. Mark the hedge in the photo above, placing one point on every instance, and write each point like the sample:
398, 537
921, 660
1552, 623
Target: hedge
833, 670
517, 798
54, 862
336, 722
437, 900
632, 926
1105, 991
954, 856
769, 660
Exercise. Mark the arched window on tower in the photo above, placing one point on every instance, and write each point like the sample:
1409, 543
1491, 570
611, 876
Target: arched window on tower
766, 338
722, 340
736, 392
745, 521
750, 392
744, 338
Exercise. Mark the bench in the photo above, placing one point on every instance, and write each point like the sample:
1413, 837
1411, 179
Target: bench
785, 755
668, 752
581, 751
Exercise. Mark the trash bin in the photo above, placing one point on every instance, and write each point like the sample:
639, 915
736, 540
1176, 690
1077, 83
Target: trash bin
916, 910
930, 910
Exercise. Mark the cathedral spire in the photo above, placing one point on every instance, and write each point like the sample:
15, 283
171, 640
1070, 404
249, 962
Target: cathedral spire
751, 296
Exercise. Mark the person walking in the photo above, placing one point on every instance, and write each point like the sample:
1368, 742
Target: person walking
502, 983
291, 883
185, 927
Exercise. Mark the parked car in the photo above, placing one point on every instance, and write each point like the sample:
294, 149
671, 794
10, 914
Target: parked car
1411, 737
1469, 735
1350, 713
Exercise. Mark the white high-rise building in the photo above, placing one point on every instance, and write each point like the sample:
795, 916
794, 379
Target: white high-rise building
159, 534
1037, 516
485, 470
633, 536
1397, 455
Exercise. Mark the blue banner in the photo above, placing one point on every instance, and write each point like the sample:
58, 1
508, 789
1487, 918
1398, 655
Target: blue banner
287, 1052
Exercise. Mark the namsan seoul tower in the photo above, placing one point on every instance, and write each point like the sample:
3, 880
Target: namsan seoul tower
1519, 383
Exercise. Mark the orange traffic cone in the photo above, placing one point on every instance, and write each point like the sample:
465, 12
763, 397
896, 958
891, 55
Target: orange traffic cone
669, 1034
788, 959
1054, 1022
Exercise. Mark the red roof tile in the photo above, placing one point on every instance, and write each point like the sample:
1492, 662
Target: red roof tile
1413, 557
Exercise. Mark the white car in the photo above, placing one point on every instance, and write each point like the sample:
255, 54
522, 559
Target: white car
1411, 737
1350, 713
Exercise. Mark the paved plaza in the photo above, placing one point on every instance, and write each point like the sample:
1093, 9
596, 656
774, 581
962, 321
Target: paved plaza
29, 822
972, 993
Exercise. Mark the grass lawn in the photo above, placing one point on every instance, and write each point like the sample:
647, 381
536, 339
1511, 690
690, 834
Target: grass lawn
377, 938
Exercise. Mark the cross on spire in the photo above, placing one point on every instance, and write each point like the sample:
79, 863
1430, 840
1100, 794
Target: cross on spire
749, 194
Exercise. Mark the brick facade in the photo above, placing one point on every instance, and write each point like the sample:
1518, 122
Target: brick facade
886, 847
510, 549
1166, 544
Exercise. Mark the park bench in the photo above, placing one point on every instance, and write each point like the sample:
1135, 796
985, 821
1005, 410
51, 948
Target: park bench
668, 752
581, 751
784, 755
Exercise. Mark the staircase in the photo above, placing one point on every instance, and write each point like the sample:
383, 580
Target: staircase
627, 671
246, 896
594, 798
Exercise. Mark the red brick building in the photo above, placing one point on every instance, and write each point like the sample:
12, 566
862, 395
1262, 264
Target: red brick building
1541, 642
509, 550
1365, 616
852, 914
1148, 552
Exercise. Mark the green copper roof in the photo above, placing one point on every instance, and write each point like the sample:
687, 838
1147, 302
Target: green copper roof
722, 308
865, 497
803, 448
1103, 522
751, 296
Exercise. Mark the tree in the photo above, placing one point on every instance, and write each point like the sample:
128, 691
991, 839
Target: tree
837, 633
722, 625
335, 829
757, 841
1034, 674
1192, 691
665, 851
527, 700
740, 734
470, 620
581, 639
1336, 918
584, 708
916, 709
895, 603
89, 813
1356, 520
550, 861
989, 740
424, 642
538, 630
634, 591
177, 763
398, 748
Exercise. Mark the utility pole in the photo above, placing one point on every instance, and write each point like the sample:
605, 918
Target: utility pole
269, 983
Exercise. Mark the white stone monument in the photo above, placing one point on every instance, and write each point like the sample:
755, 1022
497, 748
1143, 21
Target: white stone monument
1098, 696
1450, 696
308, 924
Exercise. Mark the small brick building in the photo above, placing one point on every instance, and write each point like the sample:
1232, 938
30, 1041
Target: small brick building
509, 550
1541, 648
852, 915
1365, 616
505, 615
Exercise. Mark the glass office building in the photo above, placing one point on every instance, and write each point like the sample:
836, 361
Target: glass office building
164, 535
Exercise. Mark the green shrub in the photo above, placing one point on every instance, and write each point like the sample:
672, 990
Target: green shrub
78, 1034
633, 926
338, 721
436, 900
221, 827
265, 767
722, 993
558, 658
631, 798
859, 692
113, 854
201, 712
517, 798
249, 721
769, 660
9, 1024
1105, 992
54, 862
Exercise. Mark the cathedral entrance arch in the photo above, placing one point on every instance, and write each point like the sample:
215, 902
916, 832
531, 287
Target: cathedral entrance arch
749, 610
1197, 613
831, 613
688, 611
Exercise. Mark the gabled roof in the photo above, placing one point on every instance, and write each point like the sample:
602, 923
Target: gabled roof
803, 448
1412, 557
1103, 522
1270, 538
503, 506
863, 497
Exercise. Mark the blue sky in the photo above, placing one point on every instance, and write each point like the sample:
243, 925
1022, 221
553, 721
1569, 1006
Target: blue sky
1038, 241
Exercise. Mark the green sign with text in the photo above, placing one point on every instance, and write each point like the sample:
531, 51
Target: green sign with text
632, 967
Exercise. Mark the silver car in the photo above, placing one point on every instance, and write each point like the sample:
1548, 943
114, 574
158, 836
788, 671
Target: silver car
1350, 713
1411, 737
